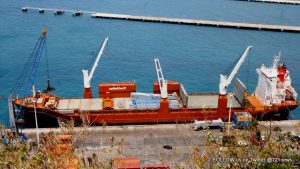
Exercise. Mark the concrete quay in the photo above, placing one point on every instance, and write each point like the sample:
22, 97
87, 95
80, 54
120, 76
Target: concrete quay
221, 24
182, 21
290, 2
147, 141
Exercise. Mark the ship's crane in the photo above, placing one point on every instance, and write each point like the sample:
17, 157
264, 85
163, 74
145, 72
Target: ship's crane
26, 80
87, 77
224, 80
161, 80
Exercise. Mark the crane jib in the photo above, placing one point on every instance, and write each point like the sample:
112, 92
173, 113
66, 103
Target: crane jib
26, 78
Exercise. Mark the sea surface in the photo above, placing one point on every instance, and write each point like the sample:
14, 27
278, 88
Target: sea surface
193, 55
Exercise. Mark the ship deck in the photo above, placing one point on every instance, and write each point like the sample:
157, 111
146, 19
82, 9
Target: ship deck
209, 100
255, 103
140, 102
67, 105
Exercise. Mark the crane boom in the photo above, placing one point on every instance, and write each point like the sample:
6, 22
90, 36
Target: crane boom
161, 80
26, 80
37, 54
86, 76
224, 81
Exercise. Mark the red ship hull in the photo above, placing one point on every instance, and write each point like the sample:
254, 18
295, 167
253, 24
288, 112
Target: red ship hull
118, 103
49, 118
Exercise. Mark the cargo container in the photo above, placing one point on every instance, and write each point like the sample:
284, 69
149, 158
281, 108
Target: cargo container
126, 163
116, 90
172, 87
242, 119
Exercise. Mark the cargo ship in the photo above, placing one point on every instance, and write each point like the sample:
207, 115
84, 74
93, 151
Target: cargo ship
120, 103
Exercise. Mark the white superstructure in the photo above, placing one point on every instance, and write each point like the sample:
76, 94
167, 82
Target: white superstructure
274, 84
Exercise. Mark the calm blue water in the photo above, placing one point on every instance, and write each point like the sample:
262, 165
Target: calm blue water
193, 55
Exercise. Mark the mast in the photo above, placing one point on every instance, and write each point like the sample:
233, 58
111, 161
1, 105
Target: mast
12, 120
35, 116
276, 60
87, 77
